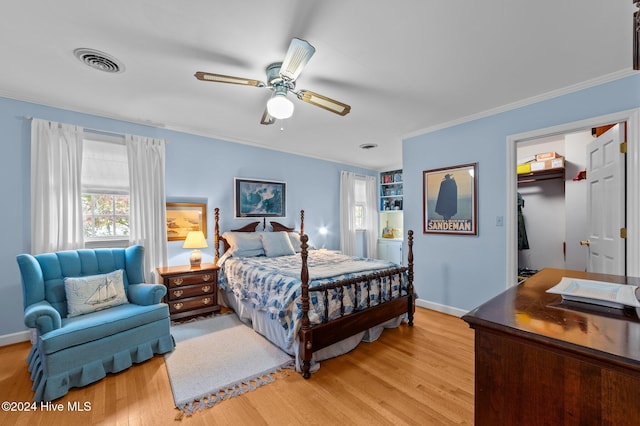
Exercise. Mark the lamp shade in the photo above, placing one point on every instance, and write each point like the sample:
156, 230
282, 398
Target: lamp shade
195, 240
279, 106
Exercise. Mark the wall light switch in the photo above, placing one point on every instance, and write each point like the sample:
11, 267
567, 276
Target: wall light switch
499, 220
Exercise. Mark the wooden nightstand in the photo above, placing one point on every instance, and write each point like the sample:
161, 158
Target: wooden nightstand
190, 291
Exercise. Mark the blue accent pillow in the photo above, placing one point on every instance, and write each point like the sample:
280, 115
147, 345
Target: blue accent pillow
276, 244
94, 293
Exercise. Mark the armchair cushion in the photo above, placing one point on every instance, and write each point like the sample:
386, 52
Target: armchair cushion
98, 325
94, 293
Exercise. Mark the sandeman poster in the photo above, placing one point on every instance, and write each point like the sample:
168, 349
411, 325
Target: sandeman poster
450, 205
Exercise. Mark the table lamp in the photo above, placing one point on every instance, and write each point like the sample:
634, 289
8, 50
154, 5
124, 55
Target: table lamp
195, 240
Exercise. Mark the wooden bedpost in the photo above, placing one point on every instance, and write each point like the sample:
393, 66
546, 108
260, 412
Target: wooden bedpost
411, 309
301, 222
216, 235
306, 344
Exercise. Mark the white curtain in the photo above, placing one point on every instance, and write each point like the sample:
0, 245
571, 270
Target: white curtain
348, 200
347, 213
56, 193
371, 216
147, 216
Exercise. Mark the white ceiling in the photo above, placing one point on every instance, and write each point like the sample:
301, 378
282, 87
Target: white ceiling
404, 66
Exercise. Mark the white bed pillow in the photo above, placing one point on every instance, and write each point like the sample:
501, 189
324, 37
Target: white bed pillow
276, 244
294, 238
94, 293
244, 244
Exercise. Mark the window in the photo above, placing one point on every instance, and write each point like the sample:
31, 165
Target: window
105, 215
105, 189
360, 204
359, 216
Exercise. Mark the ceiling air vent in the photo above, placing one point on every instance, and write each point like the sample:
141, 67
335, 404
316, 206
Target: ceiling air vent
368, 145
99, 60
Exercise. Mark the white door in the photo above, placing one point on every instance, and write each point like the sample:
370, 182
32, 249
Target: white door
605, 203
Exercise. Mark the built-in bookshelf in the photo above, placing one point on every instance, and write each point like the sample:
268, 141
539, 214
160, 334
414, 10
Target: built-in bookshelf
391, 217
391, 190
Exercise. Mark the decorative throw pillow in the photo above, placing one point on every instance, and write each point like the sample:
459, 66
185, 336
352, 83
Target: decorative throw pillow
94, 293
244, 244
277, 244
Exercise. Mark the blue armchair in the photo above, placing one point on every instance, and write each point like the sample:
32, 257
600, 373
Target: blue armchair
74, 348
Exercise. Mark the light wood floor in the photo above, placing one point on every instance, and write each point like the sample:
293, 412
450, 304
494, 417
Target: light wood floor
421, 375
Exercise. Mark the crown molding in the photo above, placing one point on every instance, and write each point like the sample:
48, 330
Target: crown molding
524, 102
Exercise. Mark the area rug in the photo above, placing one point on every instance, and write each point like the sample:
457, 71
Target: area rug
219, 358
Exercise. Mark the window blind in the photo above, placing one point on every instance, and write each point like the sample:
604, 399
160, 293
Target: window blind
105, 169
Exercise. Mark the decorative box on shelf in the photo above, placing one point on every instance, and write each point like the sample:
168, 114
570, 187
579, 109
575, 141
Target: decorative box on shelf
190, 291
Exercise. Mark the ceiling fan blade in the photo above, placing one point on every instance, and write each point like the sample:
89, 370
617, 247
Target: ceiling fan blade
323, 102
267, 118
299, 53
220, 78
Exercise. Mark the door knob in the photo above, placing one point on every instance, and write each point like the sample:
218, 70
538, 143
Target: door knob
585, 243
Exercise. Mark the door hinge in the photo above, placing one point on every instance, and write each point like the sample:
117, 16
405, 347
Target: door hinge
623, 232
623, 147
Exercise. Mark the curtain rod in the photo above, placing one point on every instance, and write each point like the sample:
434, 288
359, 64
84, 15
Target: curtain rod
360, 175
106, 132
92, 130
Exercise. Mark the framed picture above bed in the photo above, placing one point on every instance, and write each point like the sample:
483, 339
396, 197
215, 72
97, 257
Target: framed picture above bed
259, 198
450, 204
185, 217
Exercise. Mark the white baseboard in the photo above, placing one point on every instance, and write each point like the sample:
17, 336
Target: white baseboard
25, 336
10, 339
440, 308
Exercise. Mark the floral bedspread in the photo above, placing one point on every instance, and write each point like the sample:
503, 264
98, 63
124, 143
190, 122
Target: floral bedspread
273, 285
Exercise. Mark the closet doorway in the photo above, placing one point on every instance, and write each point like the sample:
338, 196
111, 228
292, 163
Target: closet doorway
557, 213
571, 213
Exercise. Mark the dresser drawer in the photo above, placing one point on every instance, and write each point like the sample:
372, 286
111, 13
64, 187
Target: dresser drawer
175, 293
192, 303
185, 280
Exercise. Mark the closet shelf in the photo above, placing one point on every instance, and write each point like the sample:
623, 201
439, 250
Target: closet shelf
541, 175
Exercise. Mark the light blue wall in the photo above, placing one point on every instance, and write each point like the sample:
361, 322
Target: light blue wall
206, 168
462, 272
198, 169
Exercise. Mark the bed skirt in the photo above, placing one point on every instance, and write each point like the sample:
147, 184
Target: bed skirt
273, 331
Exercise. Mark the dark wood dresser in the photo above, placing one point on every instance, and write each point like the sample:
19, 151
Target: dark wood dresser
540, 360
190, 291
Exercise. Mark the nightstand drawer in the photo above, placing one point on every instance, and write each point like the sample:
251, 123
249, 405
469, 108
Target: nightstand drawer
190, 291
192, 303
185, 280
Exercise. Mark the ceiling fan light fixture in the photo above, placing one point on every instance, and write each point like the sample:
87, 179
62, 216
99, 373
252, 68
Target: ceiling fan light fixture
279, 106
281, 78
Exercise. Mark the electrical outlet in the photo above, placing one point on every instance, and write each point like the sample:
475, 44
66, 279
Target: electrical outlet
499, 220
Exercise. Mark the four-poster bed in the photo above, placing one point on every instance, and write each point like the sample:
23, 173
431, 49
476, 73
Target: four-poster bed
310, 303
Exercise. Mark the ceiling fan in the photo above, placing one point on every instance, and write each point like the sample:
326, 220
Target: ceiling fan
281, 78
